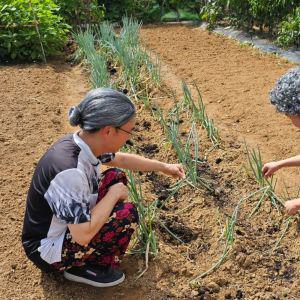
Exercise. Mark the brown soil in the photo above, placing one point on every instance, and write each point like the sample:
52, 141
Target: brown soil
34, 108
234, 81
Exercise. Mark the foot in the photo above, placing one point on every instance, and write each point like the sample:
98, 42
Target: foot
95, 276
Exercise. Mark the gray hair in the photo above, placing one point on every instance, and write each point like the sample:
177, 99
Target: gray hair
102, 107
286, 93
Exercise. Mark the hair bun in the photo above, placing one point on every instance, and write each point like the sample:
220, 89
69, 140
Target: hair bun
75, 117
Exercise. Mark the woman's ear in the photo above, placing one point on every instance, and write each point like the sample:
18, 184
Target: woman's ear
106, 131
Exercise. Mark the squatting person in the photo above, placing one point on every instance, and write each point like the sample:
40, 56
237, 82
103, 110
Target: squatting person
77, 219
286, 98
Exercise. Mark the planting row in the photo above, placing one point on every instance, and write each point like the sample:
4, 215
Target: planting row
117, 59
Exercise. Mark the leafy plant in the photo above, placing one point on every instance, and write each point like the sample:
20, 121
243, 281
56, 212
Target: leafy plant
212, 12
289, 30
79, 12
146, 10
30, 28
266, 14
270, 12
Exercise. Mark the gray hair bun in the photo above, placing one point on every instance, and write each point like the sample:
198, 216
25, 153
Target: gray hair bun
286, 93
102, 107
75, 117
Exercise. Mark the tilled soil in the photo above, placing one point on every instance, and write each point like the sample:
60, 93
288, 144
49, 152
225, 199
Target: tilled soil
34, 114
234, 81
34, 106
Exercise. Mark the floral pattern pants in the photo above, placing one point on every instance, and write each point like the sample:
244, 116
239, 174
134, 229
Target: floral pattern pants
109, 245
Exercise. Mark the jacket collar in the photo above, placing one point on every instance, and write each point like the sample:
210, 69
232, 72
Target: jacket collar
86, 149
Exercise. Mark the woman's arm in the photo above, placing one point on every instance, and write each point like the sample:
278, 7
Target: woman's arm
138, 163
84, 232
271, 167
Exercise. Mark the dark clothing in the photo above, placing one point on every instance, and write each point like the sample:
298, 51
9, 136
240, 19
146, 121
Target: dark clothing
63, 190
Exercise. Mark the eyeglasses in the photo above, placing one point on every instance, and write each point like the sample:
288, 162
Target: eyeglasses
131, 133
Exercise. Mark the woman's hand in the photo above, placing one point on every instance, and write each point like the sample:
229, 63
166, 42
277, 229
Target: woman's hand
270, 168
292, 206
119, 191
175, 170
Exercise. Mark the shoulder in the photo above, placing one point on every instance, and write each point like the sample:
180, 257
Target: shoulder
62, 155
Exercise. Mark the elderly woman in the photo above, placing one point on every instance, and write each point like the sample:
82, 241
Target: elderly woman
77, 219
286, 98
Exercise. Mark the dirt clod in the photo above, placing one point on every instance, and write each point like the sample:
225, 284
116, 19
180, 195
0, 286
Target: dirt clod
213, 287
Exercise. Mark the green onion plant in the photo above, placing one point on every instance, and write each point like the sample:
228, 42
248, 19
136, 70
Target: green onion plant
267, 186
199, 113
147, 215
188, 153
95, 59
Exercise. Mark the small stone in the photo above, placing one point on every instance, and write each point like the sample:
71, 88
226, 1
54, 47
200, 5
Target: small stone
286, 292
214, 287
248, 262
194, 293
222, 282
55, 121
241, 259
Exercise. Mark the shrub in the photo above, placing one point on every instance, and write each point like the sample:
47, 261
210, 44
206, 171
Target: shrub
289, 30
270, 12
146, 10
239, 14
78, 12
19, 38
153, 10
212, 12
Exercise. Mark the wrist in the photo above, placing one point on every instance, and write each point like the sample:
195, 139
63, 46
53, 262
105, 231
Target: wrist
163, 167
298, 203
280, 164
113, 195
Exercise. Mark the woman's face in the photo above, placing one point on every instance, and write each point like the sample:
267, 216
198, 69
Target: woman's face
122, 134
295, 120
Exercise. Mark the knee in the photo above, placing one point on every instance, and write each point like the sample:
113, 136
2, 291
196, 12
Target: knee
112, 176
114, 171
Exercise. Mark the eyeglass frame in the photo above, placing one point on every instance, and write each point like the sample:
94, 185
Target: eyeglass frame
131, 133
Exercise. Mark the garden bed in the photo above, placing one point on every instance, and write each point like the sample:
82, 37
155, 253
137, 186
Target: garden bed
36, 95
